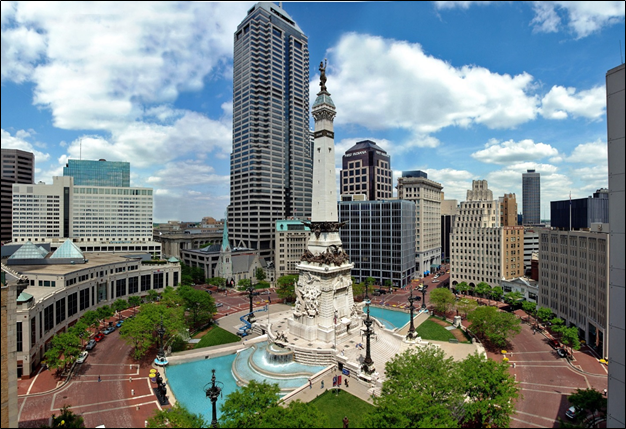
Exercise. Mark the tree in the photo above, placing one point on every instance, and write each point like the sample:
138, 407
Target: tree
389, 284
466, 305
216, 281
119, 305
259, 273
243, 284
490, 390
197, 274
369, 282
246, 405
484, 290
421, 390
176, 417
544, 313
64, 350
358, 289
513, 298
463, 288
80, 330
588, 402
67, 419
90, 318
497, 293
286, 287
200, 305
569, 337
152, 296
495, 326
295, 415
104, 313
171, 298
443, 299
134, 301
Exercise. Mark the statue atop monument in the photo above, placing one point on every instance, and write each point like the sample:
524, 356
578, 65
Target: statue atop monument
323, 76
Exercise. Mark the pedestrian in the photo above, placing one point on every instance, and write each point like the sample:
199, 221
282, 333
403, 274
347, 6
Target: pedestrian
99, 380
345, 422
310, 384
604, 392
322, 384
130, 379
346, 382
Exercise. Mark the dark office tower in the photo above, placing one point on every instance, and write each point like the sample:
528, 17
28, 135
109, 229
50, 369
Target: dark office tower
366, 170
271, 169
98, 173
17, 166
531, 198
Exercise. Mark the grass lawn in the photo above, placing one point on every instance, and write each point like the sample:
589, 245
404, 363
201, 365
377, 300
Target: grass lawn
216, 336
335, 407
429, 330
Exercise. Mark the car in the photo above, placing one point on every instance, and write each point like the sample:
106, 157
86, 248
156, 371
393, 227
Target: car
82, 357
376, 293
119, 324
209, 292
91, 344
562, 353
435, 281
108, 330
554, 343
99, 336
256, 293
571, 412
219, 304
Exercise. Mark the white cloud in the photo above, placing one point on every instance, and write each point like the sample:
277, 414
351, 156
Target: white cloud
455, 182
381, 83
17, 142
186, 174
590, 153
583, 17
459, 4
512, 152
561, 102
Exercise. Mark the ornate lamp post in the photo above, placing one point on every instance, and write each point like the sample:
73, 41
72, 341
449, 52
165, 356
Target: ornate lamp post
250, 290
212, 392
411, 333
161, 332
368, 363
423, 297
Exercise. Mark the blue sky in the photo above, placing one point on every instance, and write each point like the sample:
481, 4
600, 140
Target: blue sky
461, 90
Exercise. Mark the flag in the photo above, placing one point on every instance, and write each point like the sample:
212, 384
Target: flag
346, 372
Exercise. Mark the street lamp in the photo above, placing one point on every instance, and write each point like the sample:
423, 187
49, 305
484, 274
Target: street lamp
411, 333
250, 290
212, 393
368, 363
423, 297
161, 332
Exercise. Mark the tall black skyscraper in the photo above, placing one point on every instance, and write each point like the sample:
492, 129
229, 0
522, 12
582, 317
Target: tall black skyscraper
271, 169
531, 197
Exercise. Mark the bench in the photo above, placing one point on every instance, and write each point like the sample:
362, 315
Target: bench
453, 341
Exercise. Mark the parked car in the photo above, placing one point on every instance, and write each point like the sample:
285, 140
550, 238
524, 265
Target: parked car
435, 281
119, 324
90, 345
555, 344
82, 357
99, 336
562, 353
209, 292
108, 330
571, 412
219, 304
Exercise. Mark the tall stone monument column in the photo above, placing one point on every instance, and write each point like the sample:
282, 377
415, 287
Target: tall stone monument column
324, 302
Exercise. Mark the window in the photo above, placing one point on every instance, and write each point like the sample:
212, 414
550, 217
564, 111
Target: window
145, 283
133, 285
48, 316
120, 287
60, 310
158, 280
20, 345
84, 299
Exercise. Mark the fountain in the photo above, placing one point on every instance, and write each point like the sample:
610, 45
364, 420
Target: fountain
278, 354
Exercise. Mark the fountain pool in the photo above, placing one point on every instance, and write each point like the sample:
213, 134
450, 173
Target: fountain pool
254, 363
391, 319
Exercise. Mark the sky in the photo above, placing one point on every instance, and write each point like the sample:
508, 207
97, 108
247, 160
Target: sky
461, 90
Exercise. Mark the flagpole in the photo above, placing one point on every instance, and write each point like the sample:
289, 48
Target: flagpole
570, 211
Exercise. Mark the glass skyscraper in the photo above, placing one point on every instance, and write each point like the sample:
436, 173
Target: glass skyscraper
271, 171
531, 198
98, 173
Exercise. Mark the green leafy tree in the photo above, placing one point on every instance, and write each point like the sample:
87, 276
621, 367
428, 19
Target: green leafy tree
197, 274
558, 326
243, 284
176, 417
513, 298
262, 284
201, 305
80, 330
495, 326
463, 288
286, 287
217, 281
358, 289
466, 305
105, 312
484, 290
369, 282
544, 313
497, 293
490, 391
152, 296
64, 350
295, 415
421, 390
389, 284
259, 273
443, 299
134, 301
588, 402
245, 406
171, 298
119, 305
67, 419
569, 337
90, 318
530, 308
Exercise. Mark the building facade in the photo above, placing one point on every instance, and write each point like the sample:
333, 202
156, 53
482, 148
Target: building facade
98, 173
531, 246
87, 214
580, 213
426, 194
366, 170
573, 281
531, 197
17, 166
271, 166
59, 294
508, 210
615, 104
291, 242
449, 210
379, 238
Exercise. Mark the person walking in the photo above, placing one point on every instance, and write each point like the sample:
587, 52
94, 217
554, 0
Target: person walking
346, 382
99, 380
310, 384
345, 422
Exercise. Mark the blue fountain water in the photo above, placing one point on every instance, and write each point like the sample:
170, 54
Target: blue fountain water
391, 319
188, 379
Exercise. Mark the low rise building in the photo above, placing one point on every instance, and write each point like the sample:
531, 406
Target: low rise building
292, 237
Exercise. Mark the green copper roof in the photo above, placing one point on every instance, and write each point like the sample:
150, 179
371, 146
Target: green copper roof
67, 250
24, 297
323, 98
172, 259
